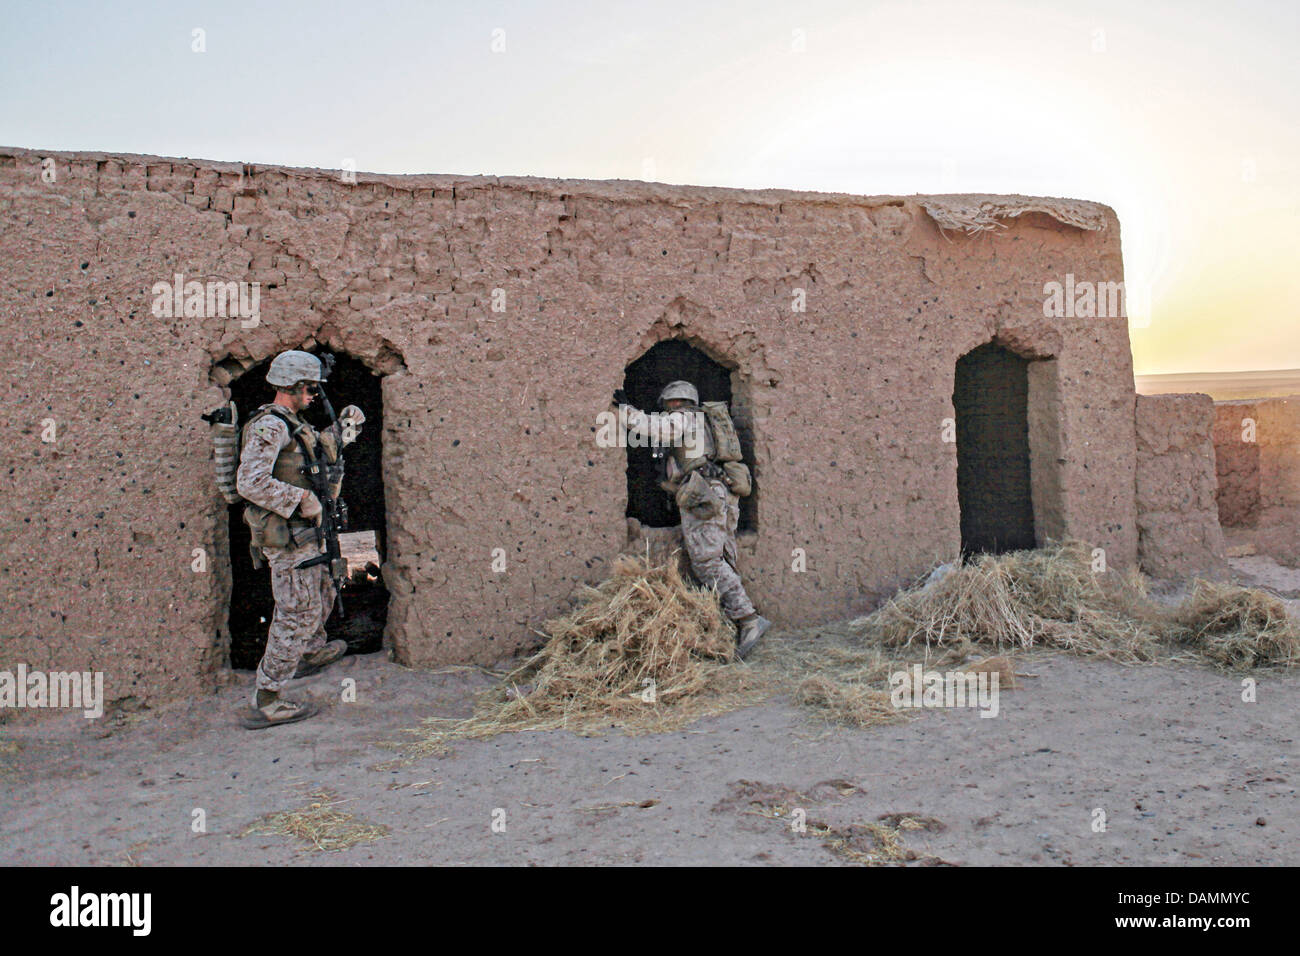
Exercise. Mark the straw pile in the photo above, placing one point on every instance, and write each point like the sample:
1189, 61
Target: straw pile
1053, 597
1236, 627
644, 652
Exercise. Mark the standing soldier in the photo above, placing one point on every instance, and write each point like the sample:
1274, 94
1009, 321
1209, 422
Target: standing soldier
706, 487
282, 514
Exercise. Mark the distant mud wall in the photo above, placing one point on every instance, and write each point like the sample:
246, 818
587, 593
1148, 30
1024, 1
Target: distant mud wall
1257, 450
501, 313
1178, 518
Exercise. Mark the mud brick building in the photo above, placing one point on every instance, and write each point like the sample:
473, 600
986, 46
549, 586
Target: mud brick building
1257, 451
898, 389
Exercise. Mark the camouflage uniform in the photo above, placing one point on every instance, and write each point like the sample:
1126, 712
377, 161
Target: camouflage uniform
303, 599
708, 532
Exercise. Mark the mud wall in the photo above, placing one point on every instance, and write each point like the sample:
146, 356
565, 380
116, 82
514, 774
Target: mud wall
489, 416
1178, 518
1257, 449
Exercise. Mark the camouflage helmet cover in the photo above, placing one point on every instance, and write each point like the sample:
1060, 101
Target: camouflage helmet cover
290, 368
679, 390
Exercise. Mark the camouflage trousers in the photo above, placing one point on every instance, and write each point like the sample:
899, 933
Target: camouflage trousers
711, 546
303, 602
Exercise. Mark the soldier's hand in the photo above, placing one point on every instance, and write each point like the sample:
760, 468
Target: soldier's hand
310, 506
620, 398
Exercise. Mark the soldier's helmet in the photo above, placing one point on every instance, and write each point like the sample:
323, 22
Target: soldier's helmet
679, 390
290, 368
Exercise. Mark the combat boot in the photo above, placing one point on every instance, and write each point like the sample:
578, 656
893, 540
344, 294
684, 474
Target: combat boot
317, 661
269, 708
751, 629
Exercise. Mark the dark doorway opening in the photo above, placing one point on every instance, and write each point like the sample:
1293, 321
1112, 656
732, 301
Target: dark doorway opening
364, 597
991, 399
664, 362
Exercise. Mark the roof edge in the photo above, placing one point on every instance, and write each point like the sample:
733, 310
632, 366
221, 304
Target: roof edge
968, 212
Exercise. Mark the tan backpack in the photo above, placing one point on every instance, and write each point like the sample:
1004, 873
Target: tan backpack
725, 441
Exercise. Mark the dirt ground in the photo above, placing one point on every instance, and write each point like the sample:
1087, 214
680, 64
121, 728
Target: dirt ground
1184, 771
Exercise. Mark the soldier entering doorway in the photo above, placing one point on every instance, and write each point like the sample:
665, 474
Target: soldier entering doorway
701, 468
290, 475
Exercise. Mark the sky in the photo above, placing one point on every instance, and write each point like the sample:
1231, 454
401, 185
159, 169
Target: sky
1182, 116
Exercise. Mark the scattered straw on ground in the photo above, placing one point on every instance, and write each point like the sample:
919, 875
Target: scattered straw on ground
646, 652
1002, 666
869, 844
877, 844
1055, 597
320, 823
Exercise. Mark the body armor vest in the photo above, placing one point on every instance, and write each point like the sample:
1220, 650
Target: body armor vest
721, 447
679, 462
268, 529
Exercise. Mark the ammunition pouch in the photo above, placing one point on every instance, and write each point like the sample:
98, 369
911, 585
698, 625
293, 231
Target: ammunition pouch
268, 530
697, 496
333, 462
736, 476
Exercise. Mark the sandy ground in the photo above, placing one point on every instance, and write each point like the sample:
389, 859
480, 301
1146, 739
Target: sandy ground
1184, 770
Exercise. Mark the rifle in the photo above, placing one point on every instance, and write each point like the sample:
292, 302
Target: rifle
334, 512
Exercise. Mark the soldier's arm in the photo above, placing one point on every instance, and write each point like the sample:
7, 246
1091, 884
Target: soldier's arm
254, 480
670, 427
638, 422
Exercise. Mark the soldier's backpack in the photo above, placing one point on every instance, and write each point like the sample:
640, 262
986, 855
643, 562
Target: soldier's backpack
723, 430
735, 473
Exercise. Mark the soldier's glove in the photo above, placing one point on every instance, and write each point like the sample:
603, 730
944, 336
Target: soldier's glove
620, 398
350, 421
310, 507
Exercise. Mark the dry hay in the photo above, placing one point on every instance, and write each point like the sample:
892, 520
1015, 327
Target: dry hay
834, 674
320, 824
1052, 597
912, 821
1001, 666
1047, 597
644, 652
880, 844
869, 844
876, 844
851, 704
1236, 627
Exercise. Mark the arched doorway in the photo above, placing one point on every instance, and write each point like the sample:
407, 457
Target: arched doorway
994, 488
364, 597
664, 362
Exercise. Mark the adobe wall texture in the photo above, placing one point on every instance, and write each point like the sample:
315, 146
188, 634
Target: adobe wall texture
1257, 449
489, 416
1178, 518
